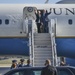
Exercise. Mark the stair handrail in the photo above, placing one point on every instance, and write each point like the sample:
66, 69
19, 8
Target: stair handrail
55, 52
32, 43
30, 52
52, 32
33, 22
54, 43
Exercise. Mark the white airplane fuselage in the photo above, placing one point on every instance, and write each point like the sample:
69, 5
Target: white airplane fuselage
14, 41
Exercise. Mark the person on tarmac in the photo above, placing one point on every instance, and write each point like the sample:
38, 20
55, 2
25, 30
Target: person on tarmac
14, 64
28, 63
48, 69
21, 63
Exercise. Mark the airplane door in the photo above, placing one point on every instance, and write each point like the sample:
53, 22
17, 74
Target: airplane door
29, 18
28, 12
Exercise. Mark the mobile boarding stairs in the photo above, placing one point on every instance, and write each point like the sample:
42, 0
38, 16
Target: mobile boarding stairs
42, 45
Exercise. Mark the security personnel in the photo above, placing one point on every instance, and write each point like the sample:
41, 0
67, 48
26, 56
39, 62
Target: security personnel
21, 64
14, 64
28, 63
48, 70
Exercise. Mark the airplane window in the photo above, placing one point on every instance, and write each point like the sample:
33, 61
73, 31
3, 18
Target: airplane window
6, 21
70, 21
0, 21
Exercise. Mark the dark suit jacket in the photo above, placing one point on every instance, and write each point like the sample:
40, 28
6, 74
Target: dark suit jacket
49, 70
38, 18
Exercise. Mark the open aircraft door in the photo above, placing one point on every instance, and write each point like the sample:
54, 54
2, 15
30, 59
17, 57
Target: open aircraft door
29, 18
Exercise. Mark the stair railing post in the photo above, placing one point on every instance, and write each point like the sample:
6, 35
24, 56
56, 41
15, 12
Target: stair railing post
31, 43
33, 40
50, 31
30, 52
54, 44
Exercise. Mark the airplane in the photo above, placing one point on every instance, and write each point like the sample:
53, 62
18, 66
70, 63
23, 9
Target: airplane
14, 39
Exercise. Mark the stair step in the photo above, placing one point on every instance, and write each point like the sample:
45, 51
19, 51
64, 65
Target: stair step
41, 34
42, 42
44, 52
42, 46
37, 52
42, 55
42, 38
43, 49
39, 55
49, 54
42, 58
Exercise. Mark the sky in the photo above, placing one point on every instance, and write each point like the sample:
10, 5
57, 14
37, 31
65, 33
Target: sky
28, 1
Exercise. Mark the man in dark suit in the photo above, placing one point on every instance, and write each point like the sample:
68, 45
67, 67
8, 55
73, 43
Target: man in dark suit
38, 20
21, 64
45, 20
28, 63
48, 70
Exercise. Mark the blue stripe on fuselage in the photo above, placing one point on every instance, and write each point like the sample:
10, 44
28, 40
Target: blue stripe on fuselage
65, 47
14, 46
19, 46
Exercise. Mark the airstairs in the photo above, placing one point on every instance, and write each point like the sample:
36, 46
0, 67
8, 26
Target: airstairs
42, 46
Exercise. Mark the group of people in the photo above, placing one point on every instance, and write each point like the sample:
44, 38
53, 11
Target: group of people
47, 70
42, 21
20, 64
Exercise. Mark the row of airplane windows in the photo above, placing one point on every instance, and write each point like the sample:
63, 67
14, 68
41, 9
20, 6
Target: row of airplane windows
7, 21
